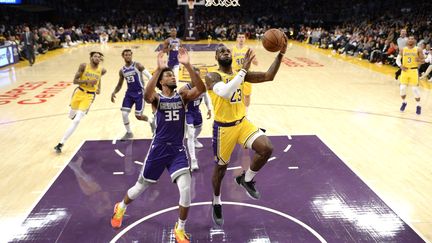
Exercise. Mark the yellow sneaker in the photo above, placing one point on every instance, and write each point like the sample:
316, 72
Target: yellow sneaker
116, 219
181, 236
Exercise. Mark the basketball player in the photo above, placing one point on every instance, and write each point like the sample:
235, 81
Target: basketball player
401, 42
171, 47
226, 90
411, 57
88, 77
238, 53
194, 123
167, 149
132, 72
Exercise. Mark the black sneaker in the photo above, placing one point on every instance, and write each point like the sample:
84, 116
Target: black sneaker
249, 186
58, 148
403, 106
418, 110
217, 214
127, 136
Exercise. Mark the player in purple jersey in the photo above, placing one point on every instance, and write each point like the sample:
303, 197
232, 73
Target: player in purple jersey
194, 123
171, 46
132, 72
167, 149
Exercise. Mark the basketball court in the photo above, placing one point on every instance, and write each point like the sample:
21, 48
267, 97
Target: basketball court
347, 166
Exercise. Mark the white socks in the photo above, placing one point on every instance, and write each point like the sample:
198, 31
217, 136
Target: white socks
250, 174
181, 224
122, 205
217, 199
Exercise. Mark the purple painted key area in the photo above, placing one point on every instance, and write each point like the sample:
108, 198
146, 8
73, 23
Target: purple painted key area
307, 195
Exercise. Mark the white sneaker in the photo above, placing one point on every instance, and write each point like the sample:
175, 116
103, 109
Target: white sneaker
194, 165
198, 144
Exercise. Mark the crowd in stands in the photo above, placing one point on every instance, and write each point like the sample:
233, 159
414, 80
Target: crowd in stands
367, 29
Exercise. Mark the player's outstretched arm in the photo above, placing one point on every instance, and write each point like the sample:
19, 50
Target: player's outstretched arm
98, 90
118, 87
150, 95
259, 77
198, 85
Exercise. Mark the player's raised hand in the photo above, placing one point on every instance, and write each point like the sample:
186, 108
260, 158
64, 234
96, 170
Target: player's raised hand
161, 62
183, 56
249, 57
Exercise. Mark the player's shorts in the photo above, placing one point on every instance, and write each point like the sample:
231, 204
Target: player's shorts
410, 77
161, 156
132, 98
194, 118
227, 135
247, 88
82, 100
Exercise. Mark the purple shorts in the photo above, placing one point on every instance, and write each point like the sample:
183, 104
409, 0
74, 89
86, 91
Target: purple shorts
194, 118
132, 98
161, 156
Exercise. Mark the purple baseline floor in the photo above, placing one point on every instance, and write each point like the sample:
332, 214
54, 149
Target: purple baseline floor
322, 199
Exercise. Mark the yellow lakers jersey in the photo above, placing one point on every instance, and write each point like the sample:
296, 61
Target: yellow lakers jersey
231, 109
91, 74
410, 57
238, 56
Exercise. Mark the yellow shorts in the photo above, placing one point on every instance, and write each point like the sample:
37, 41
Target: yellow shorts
82, 100
410, 77
226, 137
247, 88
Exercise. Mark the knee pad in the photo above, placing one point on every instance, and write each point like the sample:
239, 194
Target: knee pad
140, 186
184, 184
403, 89
125, 115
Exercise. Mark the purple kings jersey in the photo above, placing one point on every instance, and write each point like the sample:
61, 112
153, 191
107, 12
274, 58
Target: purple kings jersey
133, 77
172, 55
170, 120
193, 106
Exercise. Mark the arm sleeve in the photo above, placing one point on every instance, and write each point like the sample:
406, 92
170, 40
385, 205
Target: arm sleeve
147, 74
398, 60
225, 90
207, 101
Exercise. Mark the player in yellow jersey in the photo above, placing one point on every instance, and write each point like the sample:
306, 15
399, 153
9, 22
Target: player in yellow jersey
230, 126
411, 57
238, 55
88, 77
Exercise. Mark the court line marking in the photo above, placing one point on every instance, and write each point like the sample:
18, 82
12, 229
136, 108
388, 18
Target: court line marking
293, 167
137, 162
234, 168
307, 227
119, 153
272, 158
289, 137
14, 228
287, 148
370, 187
114, 141
118, 173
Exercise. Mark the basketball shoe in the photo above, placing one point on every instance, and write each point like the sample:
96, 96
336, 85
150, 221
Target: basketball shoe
249, 186
116, 219
180, 235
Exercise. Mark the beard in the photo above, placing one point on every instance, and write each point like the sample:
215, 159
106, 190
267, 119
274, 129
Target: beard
172, 86
225, 62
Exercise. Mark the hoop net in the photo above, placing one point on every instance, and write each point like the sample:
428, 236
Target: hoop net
222, 3
191, 4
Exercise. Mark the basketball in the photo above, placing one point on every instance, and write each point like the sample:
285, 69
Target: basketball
273, 40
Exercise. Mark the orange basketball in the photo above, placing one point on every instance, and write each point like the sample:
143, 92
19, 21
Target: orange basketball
273, 40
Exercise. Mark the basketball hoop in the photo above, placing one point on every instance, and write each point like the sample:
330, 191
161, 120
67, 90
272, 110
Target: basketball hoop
191, 4
222, 3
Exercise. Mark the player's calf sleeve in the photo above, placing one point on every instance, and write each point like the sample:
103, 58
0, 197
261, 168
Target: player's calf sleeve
416, 91
403, 89
184, 184
140, 186
190, 134
125, 115
197, 131
79, 115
